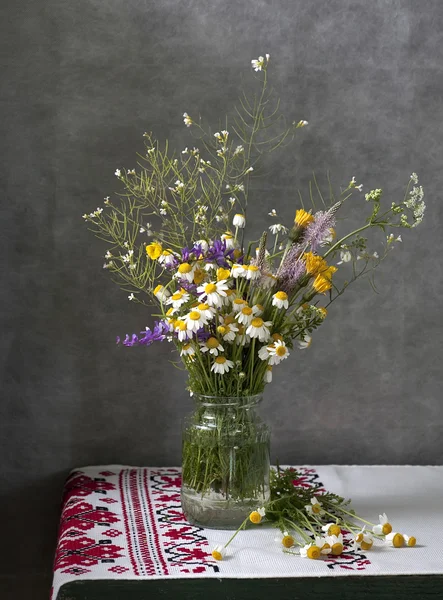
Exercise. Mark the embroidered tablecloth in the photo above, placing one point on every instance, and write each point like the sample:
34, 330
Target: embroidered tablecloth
126, 523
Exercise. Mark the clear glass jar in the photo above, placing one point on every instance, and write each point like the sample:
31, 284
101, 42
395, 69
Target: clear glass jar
225, 461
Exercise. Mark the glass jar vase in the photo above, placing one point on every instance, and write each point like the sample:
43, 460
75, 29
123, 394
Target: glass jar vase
226, 461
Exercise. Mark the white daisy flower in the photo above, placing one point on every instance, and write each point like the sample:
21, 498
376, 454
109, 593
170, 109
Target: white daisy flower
363, 539
195, 320
178, 298
161, 293
187, 350
304, 342
242, 339
186, 271
335, 543
259, 329
203, 244
238, 271
322, 543
212, 345
268, 280
384, 527
410, 540
213, 292
252, 272
277, 228
228, 332
239, 221
229, 239
230, 296
315, 507
310, 551
280, 300
278, 352
245, 315
267, 378
331, 528
264, 352
166, 258
222, 365
219, 552
395, 539
206, 310
181, 328
258, 310
238, 304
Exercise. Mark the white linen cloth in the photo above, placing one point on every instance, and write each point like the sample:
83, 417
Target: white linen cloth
122, 522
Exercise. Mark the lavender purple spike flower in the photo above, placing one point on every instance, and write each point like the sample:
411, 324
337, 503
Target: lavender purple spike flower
318, 230
291, 270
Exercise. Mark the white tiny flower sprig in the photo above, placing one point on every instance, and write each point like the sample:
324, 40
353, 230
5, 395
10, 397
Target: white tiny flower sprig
260, 63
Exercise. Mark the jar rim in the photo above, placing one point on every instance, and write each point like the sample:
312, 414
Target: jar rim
226, 401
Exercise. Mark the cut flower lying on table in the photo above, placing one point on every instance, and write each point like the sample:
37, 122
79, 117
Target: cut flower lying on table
313, 524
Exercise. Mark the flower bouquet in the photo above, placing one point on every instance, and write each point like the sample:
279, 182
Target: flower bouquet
234, 310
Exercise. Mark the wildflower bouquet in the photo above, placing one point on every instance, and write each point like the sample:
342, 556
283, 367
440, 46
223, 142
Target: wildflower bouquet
234, 310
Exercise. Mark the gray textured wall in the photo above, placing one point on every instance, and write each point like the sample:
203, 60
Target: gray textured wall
82, 82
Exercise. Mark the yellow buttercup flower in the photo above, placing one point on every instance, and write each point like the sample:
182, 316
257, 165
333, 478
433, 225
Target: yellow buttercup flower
303, 218
223, 274
154, 250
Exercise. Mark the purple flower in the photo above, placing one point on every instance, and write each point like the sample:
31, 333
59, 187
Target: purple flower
188, 286
147, 337
291, 270
218, 253
319, 229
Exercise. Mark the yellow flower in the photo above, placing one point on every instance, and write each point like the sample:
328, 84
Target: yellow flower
184, 268
154, 250
313, 552
303, 218
223, 274
323, 311
287, 541
314, 263
334, 530
321, 284
395, 539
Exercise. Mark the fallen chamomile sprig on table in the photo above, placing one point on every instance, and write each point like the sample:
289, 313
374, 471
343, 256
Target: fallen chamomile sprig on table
312, 523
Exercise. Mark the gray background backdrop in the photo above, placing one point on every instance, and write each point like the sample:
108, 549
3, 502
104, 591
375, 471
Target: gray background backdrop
82, 82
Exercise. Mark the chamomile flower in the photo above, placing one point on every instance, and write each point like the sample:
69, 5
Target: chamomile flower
278, 352
195, 320
304, 342
410, 540
239, 221
245, 315
331, 529
238, 304
336, 544
395, 539
186, 271
384, 527
230, 296
182, 330
252, 272
363, 540
259, 329
314, 508
218, 553
258, 310
241, 338
166, 258
187, 350
268, 280
267, 377
213, 293
310, 551
161, 293
285, 539
228, 331
228, 238
178, 298
280, 300
212, 345
277, 228
238, 271
222, 365
257, 515
321, 543
206, 310
264, 352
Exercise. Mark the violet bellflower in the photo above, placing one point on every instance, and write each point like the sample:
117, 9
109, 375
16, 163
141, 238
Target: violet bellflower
157, 334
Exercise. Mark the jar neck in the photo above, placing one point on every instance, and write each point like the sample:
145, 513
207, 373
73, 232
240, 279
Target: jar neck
228, 401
